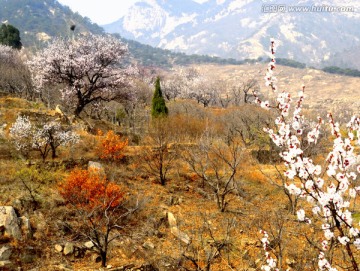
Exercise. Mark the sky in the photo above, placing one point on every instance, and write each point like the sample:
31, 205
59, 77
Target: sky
101, 11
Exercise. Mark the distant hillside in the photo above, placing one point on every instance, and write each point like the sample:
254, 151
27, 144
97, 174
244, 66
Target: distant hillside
41, 20
150, 56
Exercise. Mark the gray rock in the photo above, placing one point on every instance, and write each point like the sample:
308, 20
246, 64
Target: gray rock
68, 249
5, 253
10, 221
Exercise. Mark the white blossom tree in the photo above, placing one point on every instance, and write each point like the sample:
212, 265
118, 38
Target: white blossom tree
330, 189
44, 139
91, 68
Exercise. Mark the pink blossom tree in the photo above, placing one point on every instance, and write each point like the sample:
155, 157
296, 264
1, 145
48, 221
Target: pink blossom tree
329, 189
91, 69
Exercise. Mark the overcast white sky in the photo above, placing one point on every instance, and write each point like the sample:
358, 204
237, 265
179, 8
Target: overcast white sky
101, 11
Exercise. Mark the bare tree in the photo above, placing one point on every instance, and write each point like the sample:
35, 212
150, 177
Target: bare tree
216, 163
244, 91
159, 156
15, 76
207, 246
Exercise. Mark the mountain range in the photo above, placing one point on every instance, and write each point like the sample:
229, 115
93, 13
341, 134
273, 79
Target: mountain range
230, 30
39, 21
242, 28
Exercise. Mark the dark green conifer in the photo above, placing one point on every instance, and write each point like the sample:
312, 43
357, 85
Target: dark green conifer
10, 36
158, 106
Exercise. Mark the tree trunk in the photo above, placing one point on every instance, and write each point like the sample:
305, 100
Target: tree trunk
103, 258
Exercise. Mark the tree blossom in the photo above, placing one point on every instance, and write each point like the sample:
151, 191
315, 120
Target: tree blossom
329, 194
43, 139
270, 262
90, 68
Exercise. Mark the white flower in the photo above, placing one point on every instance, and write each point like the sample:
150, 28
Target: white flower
357, 243
301, 215
343, 240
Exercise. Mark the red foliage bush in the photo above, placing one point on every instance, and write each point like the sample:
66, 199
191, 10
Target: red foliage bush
89, 189
111, 147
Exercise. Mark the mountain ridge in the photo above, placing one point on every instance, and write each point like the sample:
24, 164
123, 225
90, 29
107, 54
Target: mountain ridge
241, 29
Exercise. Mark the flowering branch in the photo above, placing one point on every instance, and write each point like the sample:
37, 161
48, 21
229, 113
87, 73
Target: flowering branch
329, 189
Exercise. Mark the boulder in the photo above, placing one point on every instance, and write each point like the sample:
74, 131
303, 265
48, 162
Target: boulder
10, 221
5, 253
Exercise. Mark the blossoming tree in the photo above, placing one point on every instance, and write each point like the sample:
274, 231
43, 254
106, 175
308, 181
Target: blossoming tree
330, 190
91, 68
45, 138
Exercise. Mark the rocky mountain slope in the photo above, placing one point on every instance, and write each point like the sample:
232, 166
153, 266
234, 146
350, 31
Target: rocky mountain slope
242, 28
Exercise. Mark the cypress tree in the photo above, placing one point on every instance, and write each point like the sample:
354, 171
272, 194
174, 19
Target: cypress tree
158, 106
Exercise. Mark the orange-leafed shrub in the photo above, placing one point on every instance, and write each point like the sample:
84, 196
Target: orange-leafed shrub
111, 147
89, 189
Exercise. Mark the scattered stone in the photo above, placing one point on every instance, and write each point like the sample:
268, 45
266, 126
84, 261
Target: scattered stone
89, 244
10, 221
148, 245
68, 249
109, 266
171, 220
183, 237
58, 248
5, 253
